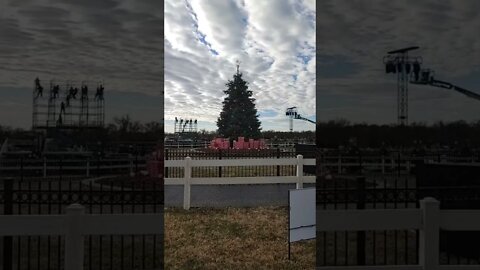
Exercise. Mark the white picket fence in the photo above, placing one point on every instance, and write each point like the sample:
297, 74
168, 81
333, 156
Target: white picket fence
428, 219
75, 224
187, 181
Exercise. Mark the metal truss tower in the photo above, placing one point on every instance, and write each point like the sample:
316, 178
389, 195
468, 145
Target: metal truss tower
398, 61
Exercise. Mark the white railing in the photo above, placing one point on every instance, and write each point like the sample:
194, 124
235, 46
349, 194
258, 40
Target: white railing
187, 181
75, 224
428, 219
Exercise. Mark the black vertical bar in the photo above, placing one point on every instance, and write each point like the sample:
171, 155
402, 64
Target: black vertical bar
136, 159
39, 203
166, 168
361, 234
100, 252
143, 211
288, 226
59, 197
90, 202
325, 202
385, 190
133, 236
122, 191
406, 206
374, 232
346, 193
220, 168
98, 163
29, 238
49, 198
8, 210
278, 166
19, 238
111, 212
360, 162
335, 248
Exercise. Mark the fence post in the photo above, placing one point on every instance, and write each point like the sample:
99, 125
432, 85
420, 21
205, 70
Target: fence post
430, 234
186, 186
8, 210
74, 244
299, 171
44, 167
361, 239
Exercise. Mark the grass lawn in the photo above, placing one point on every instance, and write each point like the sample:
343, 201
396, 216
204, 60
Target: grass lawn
232, 238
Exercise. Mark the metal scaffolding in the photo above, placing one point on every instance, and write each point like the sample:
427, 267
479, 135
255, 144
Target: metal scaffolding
185, 125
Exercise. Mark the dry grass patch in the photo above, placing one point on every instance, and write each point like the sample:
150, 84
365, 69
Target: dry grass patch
232, 238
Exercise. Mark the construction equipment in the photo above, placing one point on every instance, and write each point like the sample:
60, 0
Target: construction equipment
408, 70
292, 113
427, 78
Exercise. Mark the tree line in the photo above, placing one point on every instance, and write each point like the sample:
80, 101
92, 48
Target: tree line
335, 133
122, 128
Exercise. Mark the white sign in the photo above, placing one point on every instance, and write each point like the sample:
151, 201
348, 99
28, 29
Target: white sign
302, 214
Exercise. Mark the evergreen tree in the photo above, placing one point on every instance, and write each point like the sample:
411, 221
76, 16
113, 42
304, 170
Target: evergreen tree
239, 116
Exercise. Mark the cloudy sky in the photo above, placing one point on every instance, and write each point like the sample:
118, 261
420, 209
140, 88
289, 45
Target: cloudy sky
117, 41
353, 37
273, 40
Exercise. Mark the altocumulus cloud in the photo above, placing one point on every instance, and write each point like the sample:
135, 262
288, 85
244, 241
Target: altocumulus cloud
118, 41
273, 40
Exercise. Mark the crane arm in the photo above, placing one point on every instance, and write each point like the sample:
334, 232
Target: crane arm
466, 92
305, 119
447, 85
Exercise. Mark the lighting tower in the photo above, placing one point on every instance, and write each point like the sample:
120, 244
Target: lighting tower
293, 114
398, 61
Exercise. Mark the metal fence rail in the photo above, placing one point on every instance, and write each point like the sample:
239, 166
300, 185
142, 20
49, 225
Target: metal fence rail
428, 220
46, 167
381, 191
103, 195
75, 225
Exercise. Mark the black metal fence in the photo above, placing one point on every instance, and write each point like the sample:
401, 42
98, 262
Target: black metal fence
364, 188
64, 166
24, 195
231, 171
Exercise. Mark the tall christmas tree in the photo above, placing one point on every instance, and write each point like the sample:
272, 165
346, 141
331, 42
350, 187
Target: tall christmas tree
239, 116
